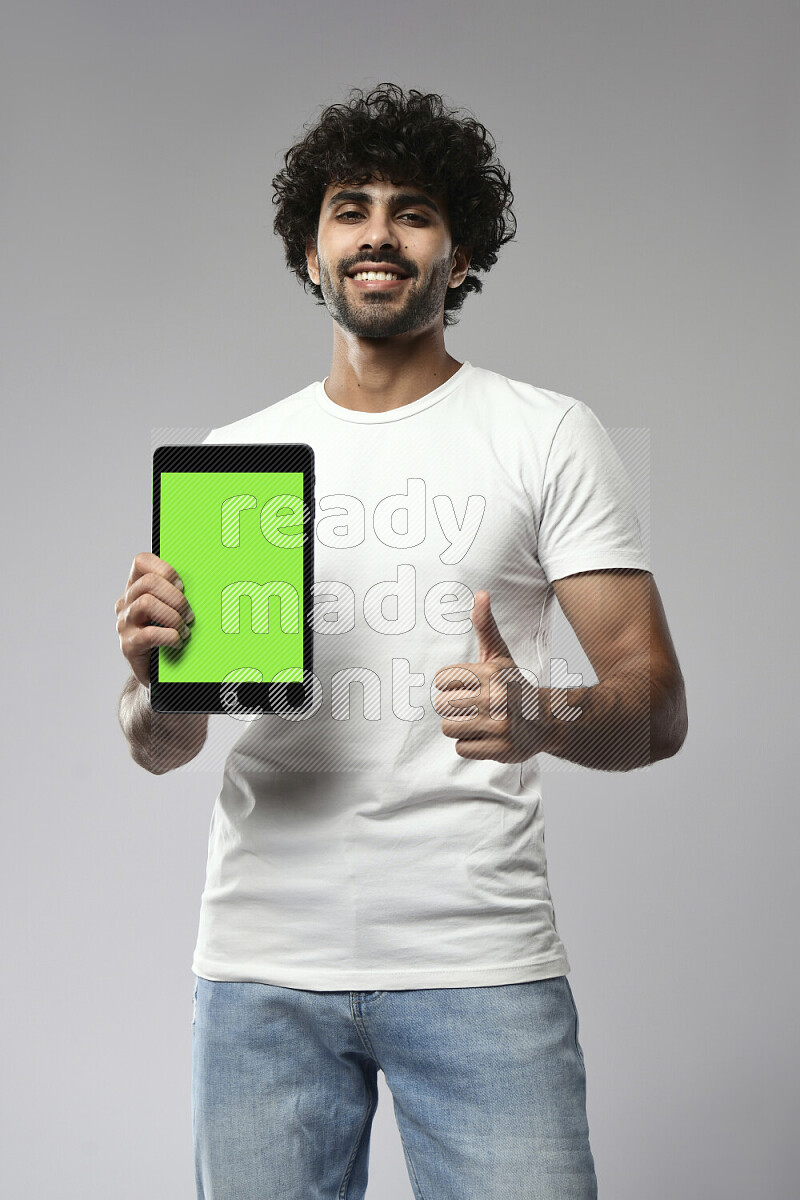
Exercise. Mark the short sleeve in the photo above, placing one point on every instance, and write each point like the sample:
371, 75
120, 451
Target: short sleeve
587, 518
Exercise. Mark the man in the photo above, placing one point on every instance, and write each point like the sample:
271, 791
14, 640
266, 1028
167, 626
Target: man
377, 895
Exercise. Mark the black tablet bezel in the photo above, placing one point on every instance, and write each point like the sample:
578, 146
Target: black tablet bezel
240, 698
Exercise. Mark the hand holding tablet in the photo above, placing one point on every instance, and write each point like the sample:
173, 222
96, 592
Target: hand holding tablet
152, 611
234, 526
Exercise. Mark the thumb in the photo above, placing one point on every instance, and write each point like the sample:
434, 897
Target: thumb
490, 641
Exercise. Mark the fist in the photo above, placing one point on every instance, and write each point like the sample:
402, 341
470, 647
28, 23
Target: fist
488, 706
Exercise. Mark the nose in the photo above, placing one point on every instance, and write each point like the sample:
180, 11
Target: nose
378, 232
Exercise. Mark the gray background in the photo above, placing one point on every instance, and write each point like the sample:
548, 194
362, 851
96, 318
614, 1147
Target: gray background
653, 152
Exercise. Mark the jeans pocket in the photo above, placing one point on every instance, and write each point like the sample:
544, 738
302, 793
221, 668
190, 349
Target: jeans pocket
194, 1000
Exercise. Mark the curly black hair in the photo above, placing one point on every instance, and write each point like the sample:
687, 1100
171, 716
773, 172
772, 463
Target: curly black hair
402, 138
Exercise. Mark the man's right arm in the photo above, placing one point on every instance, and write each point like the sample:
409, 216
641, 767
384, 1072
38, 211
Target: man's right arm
153, 611
159, 742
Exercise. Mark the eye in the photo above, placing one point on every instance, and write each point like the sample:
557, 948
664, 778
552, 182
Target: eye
343, 216
413, 216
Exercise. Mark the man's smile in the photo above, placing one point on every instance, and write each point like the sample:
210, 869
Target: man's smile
377, 281
379, 277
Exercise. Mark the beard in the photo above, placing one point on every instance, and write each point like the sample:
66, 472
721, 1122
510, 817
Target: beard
380, 314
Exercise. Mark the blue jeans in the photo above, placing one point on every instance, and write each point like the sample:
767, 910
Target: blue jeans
488, 1084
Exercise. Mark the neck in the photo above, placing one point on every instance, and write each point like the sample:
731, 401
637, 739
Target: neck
379, 374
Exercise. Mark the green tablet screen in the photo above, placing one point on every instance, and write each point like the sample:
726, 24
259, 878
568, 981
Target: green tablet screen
236, 540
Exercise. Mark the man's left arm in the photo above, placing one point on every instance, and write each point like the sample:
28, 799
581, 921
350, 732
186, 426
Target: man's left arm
636, 713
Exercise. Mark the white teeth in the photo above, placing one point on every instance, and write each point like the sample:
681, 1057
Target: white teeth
375, 275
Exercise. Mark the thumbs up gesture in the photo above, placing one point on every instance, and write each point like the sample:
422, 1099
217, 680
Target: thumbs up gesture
488, 705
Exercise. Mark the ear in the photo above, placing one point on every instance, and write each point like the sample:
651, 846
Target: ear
311, 259
460, 266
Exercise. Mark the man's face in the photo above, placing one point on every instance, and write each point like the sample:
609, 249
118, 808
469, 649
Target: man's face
387, 228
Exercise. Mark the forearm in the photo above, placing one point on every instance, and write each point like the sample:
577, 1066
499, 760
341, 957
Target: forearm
617, 725
159, 742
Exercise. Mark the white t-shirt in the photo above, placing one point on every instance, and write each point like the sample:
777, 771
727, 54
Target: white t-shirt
353, 848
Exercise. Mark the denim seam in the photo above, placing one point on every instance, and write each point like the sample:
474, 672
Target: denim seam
409, 1160
361, 1030
364, 1038
575, 1010
344, 1186
374, 997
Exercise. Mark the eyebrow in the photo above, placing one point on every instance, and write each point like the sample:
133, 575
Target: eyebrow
398, 199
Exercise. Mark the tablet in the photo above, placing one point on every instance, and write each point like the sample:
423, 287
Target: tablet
237, 524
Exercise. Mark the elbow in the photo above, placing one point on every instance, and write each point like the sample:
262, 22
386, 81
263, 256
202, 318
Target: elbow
165, 764
161, 759
672, 726
668, 747
146, 762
